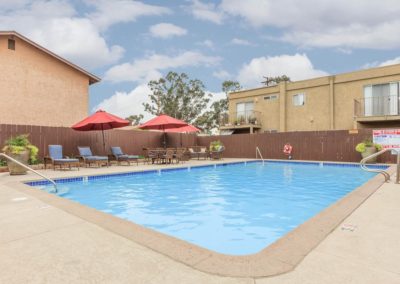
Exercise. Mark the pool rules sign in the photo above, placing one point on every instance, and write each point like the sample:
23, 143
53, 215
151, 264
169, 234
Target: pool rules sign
388, 138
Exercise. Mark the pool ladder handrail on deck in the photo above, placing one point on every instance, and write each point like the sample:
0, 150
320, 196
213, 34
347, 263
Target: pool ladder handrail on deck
258, 152
30, 169
383, 172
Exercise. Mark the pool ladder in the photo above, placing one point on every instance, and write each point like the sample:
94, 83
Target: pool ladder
258, 153
383, 172
30, 169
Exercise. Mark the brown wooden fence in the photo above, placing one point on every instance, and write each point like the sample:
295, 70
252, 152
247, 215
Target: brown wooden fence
337, 145
131, 141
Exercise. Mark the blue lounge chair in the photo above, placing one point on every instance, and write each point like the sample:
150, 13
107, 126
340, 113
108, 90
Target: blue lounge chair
119, 156
56, 158
87, 157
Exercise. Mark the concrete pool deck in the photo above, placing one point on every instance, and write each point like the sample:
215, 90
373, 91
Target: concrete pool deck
41, 243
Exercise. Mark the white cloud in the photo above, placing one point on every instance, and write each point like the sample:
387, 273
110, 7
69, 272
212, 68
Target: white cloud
207, 43
12, 4
206, 12
149, 67
297, 67
311, 14
390, 61
108, 13
239, 41
393, 61
124, 104
216, 96
323, 23
57, 26
221, 74
351, 36
166, 30
255, 12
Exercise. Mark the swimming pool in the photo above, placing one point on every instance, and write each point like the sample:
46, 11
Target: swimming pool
234, 209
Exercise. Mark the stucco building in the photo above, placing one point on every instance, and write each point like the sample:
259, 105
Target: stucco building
38, 87
362, 99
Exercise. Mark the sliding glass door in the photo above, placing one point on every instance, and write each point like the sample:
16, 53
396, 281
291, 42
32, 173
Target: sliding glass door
381, 99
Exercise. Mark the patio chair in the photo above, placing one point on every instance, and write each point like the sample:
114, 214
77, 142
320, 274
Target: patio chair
151, 155
217, 154
56, 158
86, 156
168, 156
180, 155
119, 156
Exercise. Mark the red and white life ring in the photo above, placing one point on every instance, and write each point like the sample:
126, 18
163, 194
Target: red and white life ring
287, 149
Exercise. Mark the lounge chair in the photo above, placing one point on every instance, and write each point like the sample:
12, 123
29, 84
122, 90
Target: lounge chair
193, 153
119, 156
56, 158
203, 152
217, 154
86, 156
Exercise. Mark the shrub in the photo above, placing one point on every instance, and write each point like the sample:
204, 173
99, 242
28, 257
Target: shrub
20, 143
216, 145
367, 143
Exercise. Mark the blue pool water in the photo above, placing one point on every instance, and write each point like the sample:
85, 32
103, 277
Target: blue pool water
234, 209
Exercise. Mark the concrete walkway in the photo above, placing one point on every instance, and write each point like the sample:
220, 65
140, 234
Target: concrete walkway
43, 244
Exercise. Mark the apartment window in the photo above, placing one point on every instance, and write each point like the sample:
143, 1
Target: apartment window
244, 112
299, 99
270, 97
244, 108
381, 99
11, 44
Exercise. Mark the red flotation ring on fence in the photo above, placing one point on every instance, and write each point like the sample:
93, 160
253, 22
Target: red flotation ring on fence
287, 149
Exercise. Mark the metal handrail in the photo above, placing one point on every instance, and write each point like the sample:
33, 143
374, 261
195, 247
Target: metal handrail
383, 172
30, 169
258, 152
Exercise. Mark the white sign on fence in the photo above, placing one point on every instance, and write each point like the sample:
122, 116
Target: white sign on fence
388, 138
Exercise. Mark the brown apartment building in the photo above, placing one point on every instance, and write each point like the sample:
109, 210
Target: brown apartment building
362, 99
38, 87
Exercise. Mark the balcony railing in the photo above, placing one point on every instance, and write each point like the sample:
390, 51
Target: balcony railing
241, 118
376, 106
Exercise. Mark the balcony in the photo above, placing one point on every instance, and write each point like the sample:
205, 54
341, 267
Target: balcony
241, 122
375, 109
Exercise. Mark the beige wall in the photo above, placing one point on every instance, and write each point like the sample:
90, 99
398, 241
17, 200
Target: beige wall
37, 89
329, 100
311, 116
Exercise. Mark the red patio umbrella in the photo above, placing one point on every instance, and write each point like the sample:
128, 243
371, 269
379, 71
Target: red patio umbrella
100, 120
163, 122
183, 129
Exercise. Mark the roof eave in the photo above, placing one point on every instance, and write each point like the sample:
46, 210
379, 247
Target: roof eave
92, 78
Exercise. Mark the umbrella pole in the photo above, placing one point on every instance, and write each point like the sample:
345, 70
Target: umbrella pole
104, 143
165, 139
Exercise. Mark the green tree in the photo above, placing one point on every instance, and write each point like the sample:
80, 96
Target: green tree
272, 81
211, 119
178, 96
135, 119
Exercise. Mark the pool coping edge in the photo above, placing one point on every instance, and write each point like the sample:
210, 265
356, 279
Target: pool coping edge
282, 256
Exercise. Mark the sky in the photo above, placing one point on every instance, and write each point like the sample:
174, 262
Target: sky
128, 43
